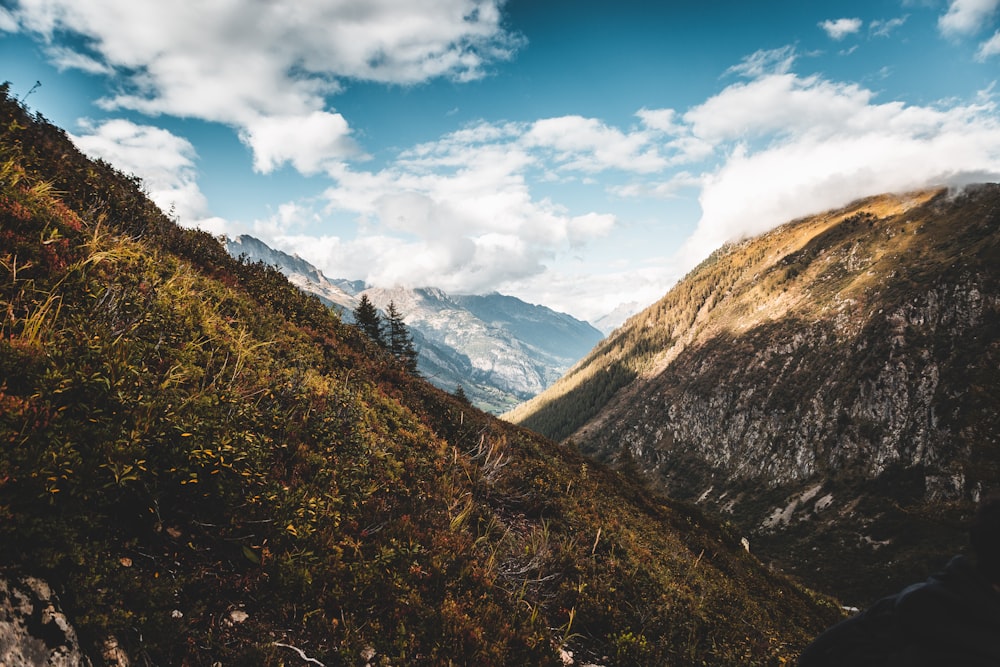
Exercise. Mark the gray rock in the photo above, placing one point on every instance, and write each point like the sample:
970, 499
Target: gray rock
33, 629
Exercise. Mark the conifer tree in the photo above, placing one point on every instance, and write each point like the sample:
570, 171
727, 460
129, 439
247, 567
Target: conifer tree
367, 318
400, 339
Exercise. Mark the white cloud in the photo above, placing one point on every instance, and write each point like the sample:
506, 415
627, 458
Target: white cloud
967, 17
885, 28
764, 62
778, 104
244, 63
64, 58
840, 28
457, 213
587, 144
989, 48
164, 162
309, 142
824, 145
8, 23
661, 120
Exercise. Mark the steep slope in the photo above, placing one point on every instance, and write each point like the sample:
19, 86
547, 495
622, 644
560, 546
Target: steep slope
209, 467
299, 272
830, 386
499, 349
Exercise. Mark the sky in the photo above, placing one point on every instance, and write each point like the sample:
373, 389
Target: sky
578, 154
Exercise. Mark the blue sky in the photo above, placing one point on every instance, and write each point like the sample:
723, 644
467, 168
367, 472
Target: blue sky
574, 153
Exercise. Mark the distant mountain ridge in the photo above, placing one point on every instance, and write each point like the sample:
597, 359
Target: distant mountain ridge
829, 386
499, 349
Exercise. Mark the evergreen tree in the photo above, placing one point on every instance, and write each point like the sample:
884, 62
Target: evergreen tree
367, 318
400, 339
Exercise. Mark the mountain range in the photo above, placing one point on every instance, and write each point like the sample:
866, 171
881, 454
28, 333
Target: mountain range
202, 464
499, 349
829, 387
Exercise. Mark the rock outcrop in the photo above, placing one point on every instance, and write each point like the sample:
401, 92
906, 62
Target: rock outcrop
33, 629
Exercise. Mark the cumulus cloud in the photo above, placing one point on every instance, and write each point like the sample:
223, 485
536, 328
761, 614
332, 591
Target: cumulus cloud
966, 17
164, 162
309, 142
586, 144
840, 28
65, 58
248, 64
459, 214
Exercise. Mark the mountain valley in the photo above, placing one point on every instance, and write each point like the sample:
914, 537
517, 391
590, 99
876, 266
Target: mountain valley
500, 350
829, 387
205, 465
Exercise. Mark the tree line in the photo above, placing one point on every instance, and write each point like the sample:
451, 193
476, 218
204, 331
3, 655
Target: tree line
388, 331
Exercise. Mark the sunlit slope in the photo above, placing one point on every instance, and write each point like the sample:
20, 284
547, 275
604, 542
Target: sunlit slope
184, 436
850, 358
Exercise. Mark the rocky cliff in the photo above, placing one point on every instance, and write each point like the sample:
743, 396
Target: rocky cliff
830, 384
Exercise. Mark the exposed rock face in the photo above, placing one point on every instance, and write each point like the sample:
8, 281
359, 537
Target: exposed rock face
33, 629
840, 372
825, 398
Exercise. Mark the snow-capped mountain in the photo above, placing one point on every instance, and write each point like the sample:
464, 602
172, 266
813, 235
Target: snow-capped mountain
498, 348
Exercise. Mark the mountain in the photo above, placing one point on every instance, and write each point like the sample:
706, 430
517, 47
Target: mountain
829, 387
499, 349
611, 321
206, 466
336, 294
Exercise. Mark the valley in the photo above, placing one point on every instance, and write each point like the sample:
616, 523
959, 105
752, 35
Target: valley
206, 465
500, 350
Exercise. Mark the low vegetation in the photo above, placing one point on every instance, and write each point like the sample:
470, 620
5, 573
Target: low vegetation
211, 468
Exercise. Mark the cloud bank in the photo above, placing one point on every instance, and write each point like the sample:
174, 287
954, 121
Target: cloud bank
260, 65
473, 210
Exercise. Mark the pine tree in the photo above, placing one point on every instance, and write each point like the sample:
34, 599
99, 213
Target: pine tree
367, 318
400, 339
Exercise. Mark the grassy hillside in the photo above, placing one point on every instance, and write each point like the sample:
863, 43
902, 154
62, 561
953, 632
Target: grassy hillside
210, 467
